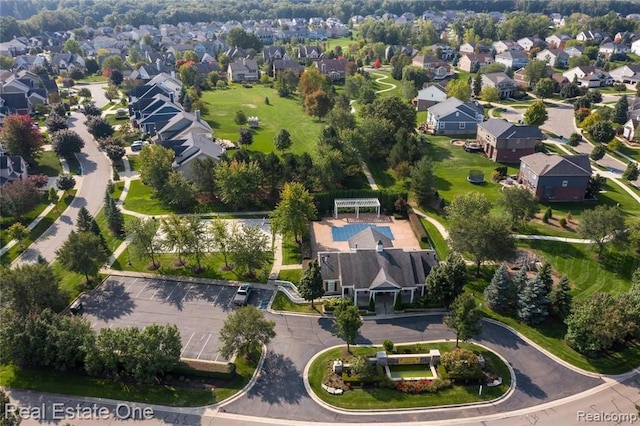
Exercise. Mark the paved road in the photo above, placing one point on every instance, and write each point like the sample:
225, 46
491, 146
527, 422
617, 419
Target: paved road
97, 93
96, 173
279, 392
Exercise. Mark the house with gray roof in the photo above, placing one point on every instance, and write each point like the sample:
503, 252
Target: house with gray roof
373, 267
512, 58
554, 178
501, 81
505, 142
12, 167
629, 74
454, 117
243, 70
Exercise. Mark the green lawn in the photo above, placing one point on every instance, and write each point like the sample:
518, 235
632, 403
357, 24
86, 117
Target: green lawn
133, 162
26, 219
281, 113
142, 199
40, 228
630, 152
213, 264
73, 163
291, 254
48, 164
113, 242
382, 398
438, 242
73, 283
377, 74
282, 303
71, 384
292, 275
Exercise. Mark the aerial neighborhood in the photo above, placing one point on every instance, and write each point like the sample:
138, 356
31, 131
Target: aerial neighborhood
280, 211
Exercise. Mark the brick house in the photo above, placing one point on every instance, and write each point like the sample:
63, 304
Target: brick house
554, 177
505, 142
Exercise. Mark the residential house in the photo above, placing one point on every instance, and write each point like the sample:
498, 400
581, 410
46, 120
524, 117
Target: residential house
284, 65
472, 62
505, 85
272, 53
373, 268
505, 142
574, 51
454, 117
14, 48
629, 74
521, 79
625, 37
514, 59
29, 62
528, 43
631, 130
610, 49
437, 68
557, 41
12, 167
554, 178
635, 47
168, 82
236, 52
243, 70
446, 52
67, 62
589, 36
311, 53
335, 69
473, 48
428, 96
153, 114
501, 46
391, 50
553, 57
589, 76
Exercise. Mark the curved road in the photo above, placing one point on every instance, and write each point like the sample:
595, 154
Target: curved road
92, 185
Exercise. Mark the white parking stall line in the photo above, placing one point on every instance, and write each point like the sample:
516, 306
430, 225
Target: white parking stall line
185, 346
174, 289
140, 292
216, 298
205, 345
186, 293
132, 284
153, 296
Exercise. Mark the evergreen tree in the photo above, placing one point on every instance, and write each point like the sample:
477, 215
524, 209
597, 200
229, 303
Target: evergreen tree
519, 281
311, 286
621, 110
533, 303
446, 281
477, 85
83, 223
497, 293
545, 275
560, 299
423, 181
115, 219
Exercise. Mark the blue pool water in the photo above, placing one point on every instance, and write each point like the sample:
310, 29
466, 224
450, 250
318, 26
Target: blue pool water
344, 233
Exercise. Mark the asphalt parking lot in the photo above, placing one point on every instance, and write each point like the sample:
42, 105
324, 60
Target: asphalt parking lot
198, 310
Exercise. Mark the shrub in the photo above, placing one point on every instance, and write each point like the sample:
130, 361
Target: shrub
417, 227
387, 345
563, 222
422, 386
569, 217
548, 214
575, 139
462, 364
614, 145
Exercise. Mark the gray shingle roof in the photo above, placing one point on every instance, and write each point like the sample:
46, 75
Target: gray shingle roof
503, 129
368, 239
557, 165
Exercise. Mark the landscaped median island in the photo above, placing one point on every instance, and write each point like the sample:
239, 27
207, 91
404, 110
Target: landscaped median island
426, 374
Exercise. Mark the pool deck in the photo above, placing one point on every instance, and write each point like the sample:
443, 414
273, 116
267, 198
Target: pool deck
322, 239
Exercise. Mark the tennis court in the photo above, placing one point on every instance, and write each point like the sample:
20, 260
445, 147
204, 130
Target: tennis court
346, 232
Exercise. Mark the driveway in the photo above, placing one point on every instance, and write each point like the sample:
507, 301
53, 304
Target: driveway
96, 168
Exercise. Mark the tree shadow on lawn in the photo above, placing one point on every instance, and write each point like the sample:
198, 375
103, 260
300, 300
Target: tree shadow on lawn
279, 381
620, 263
327, 325
436, 151
109, 301
557, 248
442, 184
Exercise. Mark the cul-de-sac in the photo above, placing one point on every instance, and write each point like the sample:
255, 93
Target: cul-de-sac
319, 212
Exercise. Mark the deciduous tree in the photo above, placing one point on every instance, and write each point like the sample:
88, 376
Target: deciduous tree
318, 104
244, 332
294, 211
464, 317
249, 249
178, 192
155, 166
84, 253
65, 182
347, 323
21, 137
143, 239
31, 287
459, 89
221, 240
18, 232
99, 127
446, 280
55, 122
66, 142
238, 182
602, 131
311, 285
474, 231
544, 88
536, 114
519, 204
631, 172
602, 225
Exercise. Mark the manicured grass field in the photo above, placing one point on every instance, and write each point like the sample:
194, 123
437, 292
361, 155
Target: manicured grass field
281, 113
379, 84
26, 219
40, 228
383, 398
438, 242
291, 252
48, 164
292, 275
73, 163
630, 152
72, 384
212, 262
282, 303
142, 199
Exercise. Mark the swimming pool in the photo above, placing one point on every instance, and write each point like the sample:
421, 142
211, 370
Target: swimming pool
344, 233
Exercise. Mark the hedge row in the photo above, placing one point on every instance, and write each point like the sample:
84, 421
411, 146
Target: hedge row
214, 370
324, 200
418, 228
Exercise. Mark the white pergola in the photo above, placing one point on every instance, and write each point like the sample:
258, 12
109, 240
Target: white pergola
355, 202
